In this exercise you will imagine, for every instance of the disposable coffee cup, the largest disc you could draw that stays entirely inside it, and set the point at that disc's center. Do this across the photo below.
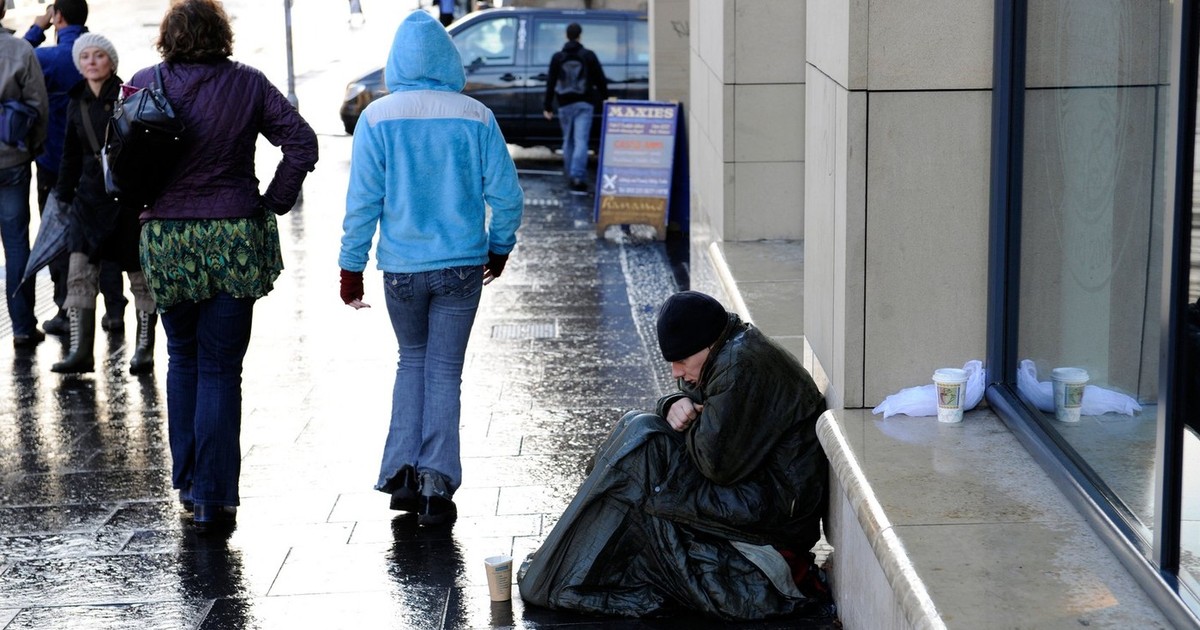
(1069, 383)
(499, 577)
(951, 386)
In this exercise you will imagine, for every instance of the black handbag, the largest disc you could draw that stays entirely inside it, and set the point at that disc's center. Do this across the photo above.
(142, 145)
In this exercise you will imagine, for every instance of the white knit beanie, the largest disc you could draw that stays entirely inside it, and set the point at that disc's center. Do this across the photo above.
(93, 40)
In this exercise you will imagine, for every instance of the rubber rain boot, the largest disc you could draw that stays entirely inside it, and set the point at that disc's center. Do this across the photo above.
(143, 354)
(83, 342)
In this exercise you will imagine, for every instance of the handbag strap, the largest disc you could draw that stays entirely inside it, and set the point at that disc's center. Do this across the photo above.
(89, 129)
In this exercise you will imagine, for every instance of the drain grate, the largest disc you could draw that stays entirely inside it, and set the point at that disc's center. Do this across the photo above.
(525, 330)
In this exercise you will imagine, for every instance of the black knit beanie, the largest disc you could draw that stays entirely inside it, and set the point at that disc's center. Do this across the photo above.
(689, 322)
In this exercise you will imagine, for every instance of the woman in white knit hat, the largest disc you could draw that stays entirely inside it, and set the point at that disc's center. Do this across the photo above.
(100, 227)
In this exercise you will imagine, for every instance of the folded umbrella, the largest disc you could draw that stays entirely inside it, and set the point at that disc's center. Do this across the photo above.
(51, 239)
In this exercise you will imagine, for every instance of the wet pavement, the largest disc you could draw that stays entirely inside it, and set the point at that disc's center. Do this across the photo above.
(90, 533)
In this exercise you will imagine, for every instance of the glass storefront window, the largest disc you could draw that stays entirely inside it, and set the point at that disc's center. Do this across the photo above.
(1095, 124)
(1094, 294)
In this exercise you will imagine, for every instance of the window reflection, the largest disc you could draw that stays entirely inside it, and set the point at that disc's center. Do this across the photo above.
(1091, 235)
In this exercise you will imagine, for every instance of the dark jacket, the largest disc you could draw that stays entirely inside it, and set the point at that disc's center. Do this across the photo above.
(225, 106)
(58, 68)
(597, 82)
(97, 224)
(661, 519)
(79, 172)
(754, 470)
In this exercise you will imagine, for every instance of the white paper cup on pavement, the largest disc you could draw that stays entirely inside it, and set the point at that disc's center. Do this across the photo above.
(499, 577)
(951, 386)
(1069, 383)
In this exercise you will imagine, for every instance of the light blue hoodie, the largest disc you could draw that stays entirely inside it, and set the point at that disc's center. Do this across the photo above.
(425, 160)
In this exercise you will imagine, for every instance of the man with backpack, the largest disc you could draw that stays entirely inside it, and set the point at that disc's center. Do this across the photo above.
(577, 80)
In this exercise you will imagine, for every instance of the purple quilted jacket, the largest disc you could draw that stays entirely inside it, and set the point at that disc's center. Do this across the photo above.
(226, 105)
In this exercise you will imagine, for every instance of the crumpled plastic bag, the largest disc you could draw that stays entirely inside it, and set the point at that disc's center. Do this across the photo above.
(1096, 400)
(922, 399)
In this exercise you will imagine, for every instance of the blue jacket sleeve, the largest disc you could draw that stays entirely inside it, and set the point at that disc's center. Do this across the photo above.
(502, 192)
(364, 198)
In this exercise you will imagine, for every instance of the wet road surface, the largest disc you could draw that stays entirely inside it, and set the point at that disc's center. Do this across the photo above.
(91, 535)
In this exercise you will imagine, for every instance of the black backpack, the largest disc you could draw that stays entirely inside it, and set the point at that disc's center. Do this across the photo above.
(572, 75)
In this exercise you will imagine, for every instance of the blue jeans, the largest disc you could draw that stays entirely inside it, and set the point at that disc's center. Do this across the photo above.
(576, 122)
(206, 342)
(14, 232)
(432, 313)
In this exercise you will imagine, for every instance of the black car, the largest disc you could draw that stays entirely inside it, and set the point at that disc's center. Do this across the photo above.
(506, 53)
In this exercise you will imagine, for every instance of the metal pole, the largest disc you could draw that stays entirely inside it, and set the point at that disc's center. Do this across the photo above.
(291, 77)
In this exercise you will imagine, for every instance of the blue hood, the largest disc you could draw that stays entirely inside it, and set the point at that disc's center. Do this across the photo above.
(423, 57)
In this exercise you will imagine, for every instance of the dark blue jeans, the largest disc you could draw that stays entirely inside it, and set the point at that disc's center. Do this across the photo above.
(206, 342)
(14, 232)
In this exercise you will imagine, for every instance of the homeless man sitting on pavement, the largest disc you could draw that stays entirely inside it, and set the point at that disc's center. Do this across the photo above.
(697, 506)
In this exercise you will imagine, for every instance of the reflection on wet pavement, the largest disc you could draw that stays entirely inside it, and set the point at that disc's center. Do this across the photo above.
(91, 534)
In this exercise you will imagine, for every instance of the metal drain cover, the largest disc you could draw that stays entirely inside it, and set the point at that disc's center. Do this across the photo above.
(525, 330)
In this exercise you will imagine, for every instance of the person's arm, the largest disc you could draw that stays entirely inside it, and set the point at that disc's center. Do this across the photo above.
(600, 81)
(551, 82)
(732, 436)
(33, 93)
(37, 31)
(502, 191)
(365, 195)
(283, 126)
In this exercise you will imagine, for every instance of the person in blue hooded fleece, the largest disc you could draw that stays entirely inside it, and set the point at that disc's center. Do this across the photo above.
(427, 163)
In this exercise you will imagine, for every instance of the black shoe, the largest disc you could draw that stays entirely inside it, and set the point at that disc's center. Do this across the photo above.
(30, 340)
(59, 325)
(405, 496)
(578, 185)
(435, 507)
(185, 499)
(209, 519)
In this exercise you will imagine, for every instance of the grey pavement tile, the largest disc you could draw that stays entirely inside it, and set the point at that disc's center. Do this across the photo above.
(132, 578)
(58, 518)
(87, 487)
(144, 616)
(418, 607)
(70, 544)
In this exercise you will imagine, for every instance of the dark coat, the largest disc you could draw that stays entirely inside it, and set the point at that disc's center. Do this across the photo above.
(98, 225)
(654, 525)
(225, 106)
(754, 470)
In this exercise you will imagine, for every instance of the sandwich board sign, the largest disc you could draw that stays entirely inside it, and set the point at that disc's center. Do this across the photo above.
(641, 177)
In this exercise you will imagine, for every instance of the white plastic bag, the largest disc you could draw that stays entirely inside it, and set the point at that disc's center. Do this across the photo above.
(1096, 400)
(922, 399)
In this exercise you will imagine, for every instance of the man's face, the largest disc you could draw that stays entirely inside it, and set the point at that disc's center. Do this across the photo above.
(689, 368)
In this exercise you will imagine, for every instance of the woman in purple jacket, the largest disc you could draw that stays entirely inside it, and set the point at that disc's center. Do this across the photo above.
(210, 246)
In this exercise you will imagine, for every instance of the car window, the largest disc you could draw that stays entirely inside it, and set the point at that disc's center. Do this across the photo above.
(639, 42)
(602, 38)
(490, 43)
